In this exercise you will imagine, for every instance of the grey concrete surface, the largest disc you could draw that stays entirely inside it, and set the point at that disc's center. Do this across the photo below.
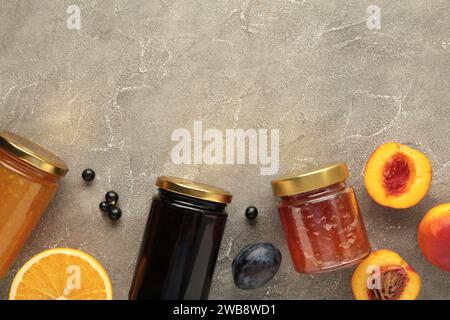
(109, 95)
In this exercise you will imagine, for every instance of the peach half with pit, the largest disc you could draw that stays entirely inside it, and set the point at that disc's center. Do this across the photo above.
(434, 236)
(384, 275)
(397, 176)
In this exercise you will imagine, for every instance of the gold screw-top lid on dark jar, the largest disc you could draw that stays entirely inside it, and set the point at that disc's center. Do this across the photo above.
(310, 180)
(33, 154)
(193, 189)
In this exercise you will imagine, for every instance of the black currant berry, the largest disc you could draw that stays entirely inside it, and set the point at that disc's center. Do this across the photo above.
(115, 213)
(88, 175)
(251, 213)
(104, 206)
(111, 197)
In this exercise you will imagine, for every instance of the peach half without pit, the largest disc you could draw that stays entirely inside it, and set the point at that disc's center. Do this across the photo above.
(434, 236)
(397, 176)
(384, 275)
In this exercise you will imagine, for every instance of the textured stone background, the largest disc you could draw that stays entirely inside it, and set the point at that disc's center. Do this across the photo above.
(109, 95)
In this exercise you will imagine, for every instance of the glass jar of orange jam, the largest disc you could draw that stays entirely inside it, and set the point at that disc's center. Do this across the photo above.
(321, 219)
(29, 176)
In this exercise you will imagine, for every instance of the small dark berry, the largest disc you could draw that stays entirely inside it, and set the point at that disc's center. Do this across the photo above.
(88, 175)
(104, 206)
(251, 213)
(114, 213)
(111, 197)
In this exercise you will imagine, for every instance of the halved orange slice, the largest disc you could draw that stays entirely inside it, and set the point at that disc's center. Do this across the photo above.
(61, 274)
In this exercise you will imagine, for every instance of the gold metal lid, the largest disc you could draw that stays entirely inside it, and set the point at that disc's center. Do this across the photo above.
(194, 189)
(310, 180)
(33, 154)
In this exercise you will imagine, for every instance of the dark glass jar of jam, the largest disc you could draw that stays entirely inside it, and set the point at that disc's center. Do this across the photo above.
(181, 241)
(321, 219)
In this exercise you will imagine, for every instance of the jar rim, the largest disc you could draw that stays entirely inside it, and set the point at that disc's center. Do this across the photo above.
(32, 154)
(310, 180)
(193, 189)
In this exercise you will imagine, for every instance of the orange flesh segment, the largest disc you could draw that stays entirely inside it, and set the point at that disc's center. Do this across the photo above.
(54, 277)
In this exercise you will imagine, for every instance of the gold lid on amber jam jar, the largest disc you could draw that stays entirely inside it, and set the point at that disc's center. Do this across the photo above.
(194, 189)
(310, 180)
(33, 154)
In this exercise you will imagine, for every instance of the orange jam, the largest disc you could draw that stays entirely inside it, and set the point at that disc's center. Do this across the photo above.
(29, 177)
(321, 219)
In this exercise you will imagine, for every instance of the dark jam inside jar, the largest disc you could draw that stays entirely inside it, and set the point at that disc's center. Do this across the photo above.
(178, 256)
(324, 229)
(181, 242)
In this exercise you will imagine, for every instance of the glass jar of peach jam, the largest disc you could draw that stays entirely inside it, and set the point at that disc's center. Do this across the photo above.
(321, 219)
(29, 177)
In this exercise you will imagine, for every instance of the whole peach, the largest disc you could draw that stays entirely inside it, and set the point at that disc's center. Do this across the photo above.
(434, 236)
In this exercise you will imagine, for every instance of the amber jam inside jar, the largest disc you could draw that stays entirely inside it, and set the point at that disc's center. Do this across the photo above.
(29, 178)
(321, 219)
